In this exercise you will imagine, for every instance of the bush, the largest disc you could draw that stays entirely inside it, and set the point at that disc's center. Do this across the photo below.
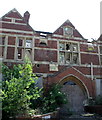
(18, 88)
(96, 101)
(53, 99)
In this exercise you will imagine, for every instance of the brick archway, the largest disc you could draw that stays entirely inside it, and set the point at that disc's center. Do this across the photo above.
(85, 82)
(77, 81)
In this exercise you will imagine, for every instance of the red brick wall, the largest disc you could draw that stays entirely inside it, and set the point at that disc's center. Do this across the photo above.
(43, 68)
(88, 58)
(87, 70)
(83, 47)
(45, 55)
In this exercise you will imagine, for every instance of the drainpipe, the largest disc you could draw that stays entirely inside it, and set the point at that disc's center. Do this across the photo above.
(91, 71)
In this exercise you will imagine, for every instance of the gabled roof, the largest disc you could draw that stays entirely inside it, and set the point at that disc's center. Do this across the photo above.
(67, 23)
(100, 38)
(19, 23)
(13, 14)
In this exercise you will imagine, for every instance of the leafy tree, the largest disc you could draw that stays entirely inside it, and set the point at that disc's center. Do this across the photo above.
(18, 88)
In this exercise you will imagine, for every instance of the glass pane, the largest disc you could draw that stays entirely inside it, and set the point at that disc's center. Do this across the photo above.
(61, 58)
(67, 58)
(75, 58)
(68, 31)
(20, 42)
(75, 47)
(61, 46)
(100, 49)
(28, 43)
(2, 40)
(19, 53)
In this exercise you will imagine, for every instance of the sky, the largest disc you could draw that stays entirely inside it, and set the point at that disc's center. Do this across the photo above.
(48, 15)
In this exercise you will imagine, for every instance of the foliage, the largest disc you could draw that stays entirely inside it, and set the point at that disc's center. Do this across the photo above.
(96, 101)
(20, 94)
(53, 99)
(18, 88)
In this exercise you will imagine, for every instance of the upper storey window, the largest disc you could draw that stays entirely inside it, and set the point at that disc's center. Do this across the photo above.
(68, 31)
(101, 55)
(68, 53)
(67, 46)
(2, 40)
(20, 42)
(100, 49)
(28, 43)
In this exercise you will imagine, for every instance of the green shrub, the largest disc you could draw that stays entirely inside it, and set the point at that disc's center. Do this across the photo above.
(96, 101)
(53, 99)
(18, 88)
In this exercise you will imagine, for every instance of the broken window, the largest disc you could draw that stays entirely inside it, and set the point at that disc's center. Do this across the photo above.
(20, 42)
(28, 53)
(90, 47)
(19, 53)
(68, 46)
(61, 58)
(62, 46)
(69, 54)
(43, 41)
(75, 47)
(28, 43)
(67, 58)
(68, 31)
(100, 49)
(2, 40)
(75, 58)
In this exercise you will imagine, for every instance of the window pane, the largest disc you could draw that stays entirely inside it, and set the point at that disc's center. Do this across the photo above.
(75, 58)
(20, 43)
(67, 58)
(100, 49)
(68, 46)
(61, 58)
(75, 47)
(2, 40)
(28, 43)
(61, 46)
(19, 53)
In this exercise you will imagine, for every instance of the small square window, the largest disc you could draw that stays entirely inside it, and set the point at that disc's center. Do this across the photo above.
(28, 43)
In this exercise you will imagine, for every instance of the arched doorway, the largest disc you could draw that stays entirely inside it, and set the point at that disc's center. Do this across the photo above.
(76, 95)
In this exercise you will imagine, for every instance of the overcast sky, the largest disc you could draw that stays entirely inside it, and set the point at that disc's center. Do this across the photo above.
(48, 15)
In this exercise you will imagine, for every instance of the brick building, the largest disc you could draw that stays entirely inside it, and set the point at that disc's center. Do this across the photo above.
(63, 56)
